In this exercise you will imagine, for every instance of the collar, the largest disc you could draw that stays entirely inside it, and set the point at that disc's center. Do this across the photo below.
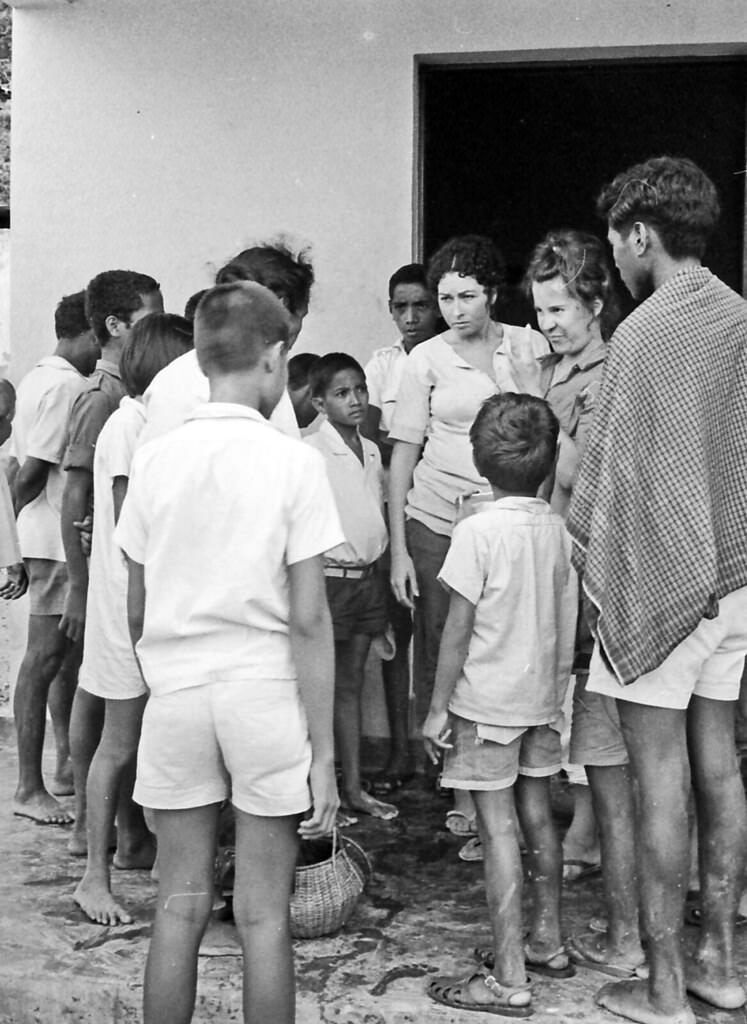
(335, 442)
(515, 502)
(226, 411)
(106, 366)
(59, 362)
(592, 355)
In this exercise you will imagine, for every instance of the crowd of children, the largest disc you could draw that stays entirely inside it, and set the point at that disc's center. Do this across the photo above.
(202, 526)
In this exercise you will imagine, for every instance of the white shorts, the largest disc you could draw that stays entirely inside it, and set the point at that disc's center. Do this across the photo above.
(247, 740)
(708, 663)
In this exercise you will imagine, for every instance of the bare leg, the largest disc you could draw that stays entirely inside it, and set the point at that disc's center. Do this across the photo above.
(656, 742)
(396, 677)
(722, 839)
(581, 841)
(186, 842)
(86, 724)
(350, 660)
(44, 653)
(60, 702)
(266, 850)
(110, 768)
(544, 863)
(136, 849)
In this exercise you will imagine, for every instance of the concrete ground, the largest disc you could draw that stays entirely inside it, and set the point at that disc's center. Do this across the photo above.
(422, 915)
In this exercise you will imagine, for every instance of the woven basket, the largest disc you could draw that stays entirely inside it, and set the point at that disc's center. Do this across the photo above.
(326, 893)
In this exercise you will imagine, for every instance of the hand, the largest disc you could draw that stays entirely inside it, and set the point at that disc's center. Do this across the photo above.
(436, 732)
(85, 528)
(525, 367)
(73, 621)
(324, 802)
(16, 582)
(403, 579)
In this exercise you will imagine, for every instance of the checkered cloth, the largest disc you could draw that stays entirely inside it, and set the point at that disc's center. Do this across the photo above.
(658, 514)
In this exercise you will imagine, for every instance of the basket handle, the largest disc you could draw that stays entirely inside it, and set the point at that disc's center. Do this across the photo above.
(361, 851)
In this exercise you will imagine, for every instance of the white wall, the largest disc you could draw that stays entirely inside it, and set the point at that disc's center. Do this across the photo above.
(163, 135)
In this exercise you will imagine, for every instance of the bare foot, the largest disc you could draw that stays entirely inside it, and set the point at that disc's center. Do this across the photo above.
(136, 858)
(77, 844)
(592, 950)
(630, 999)
(710, 986)
(62, 781)
(97, 903)
(580, 863)
(367, 804)
(42, 808)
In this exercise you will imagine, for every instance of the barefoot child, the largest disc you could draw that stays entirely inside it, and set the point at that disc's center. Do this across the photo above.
(355, 587)
(224, 526)
(109, 674)
(503, 670)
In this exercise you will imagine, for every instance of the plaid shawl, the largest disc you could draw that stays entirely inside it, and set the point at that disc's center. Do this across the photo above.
(658, 513)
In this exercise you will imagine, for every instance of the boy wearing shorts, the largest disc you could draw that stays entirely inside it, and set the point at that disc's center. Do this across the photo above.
(224, 526)
(355, 587)
(503, 670)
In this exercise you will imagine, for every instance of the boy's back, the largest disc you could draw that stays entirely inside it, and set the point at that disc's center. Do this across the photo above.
(512, 561)
(216, 510)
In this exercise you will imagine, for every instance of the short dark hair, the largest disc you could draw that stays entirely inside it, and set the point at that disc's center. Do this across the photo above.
(70, 320)
(235, 323)
(115, 293)
(299, 369)
(322, 373)
(514, 440)
(470, 256)
(190, 307)
(673, 195)
(155, 341)
(410, 273)
(287, 274)
(580, 260)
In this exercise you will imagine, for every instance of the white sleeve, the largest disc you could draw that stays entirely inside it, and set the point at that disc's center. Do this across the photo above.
(314, 525)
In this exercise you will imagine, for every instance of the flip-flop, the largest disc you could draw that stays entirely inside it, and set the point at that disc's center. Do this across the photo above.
(582, 955)
(694, 915)
(471, 852)
(532, 962)
(460, 824)
(451, 992)
(589, 869)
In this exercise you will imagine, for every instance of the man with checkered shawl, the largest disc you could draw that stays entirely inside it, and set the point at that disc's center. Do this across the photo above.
(659, 524)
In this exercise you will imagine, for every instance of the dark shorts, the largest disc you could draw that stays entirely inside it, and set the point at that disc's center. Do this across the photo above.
(479, 764)
(596, 733)
(47, 586)
(357, 606)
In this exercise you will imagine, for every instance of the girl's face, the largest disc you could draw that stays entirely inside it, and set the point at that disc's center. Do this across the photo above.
(465, 304)
(567, 323)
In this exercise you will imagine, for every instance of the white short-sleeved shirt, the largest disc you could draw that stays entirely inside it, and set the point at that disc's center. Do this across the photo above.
(40, 431)
(439, 397)
(109, 664)
(216, 511)
(358, 496)
(512, 561)
(383, 377)
(181, 387)
(10, 551)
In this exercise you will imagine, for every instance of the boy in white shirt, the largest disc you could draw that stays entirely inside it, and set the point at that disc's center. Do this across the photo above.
(355, 586)
(224, 526)
(503, 670)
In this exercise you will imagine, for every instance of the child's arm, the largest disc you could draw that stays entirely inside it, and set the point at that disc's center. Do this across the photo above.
(135, 599)
(313, 655)
(452, 655)
(76, 499)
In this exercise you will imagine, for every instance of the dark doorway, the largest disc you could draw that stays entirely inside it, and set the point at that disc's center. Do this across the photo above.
(515, 150)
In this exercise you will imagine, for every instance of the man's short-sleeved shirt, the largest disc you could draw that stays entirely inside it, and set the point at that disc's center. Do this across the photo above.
(10, 551)
(46, 396)
(572, 395)
(91, 410)
(439, 397)
(383, 377)
(181, 387)
(358, 496)
(512, 561)
(216, 511)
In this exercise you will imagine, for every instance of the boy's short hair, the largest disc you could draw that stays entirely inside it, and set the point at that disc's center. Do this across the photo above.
(155, 341)
(673, 195)
(190, 307)
(299, 369)
(322, 373)
(411, 273)
(287, 274)
(514, 440)
(235, 323)
(70, 320)
(115, 293)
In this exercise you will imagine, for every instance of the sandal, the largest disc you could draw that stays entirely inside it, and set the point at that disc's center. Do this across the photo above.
(460, 824)
(584, 952)
(554, 965)
(508, 1001)
(471, 852)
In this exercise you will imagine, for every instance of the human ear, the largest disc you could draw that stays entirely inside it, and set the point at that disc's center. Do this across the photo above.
(113, 326)
(318, 403)
(597, 305)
